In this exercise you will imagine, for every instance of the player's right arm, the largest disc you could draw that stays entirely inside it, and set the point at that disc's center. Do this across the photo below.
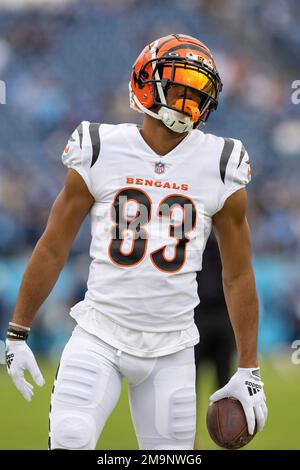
(48, 259)
(52, 250)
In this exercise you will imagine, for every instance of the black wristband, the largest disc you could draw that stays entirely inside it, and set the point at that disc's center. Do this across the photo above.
(16, 334)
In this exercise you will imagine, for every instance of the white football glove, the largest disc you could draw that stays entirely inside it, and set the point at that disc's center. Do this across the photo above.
(246, 386)
(19, 358)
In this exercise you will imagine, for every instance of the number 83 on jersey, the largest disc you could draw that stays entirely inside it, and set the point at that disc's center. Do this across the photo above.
(135, 220)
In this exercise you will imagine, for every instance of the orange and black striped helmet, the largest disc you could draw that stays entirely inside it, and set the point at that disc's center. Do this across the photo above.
(180, 60)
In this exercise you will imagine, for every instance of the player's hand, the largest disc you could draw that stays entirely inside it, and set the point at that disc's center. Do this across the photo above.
(19, 358)
(246, 386)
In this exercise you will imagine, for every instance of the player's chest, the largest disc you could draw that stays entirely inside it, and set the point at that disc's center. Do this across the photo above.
(152, 181)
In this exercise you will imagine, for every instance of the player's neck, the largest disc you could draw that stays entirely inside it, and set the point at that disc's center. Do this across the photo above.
(161, 139)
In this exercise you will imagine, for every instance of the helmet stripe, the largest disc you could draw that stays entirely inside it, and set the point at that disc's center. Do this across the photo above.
(191, 47)
(166, 42)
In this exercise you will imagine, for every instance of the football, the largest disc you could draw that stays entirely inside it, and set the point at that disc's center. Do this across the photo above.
(227, 425)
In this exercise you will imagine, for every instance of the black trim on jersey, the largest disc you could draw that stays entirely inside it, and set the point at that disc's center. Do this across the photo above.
(225, 155)
(95, 139)
(80, 133)
(241, 155)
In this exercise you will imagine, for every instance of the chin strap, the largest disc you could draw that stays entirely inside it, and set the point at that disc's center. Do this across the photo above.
(175, 120)
(172, 119)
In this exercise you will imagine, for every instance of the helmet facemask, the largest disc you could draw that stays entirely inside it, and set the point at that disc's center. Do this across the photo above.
(191, 78)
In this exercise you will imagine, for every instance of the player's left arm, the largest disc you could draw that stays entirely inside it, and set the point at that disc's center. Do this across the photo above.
(233, 235)
(232, 231)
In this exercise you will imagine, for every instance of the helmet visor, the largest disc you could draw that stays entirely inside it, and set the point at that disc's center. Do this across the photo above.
(191, 76)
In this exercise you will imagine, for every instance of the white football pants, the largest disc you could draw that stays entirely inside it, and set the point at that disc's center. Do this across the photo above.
(87, 388)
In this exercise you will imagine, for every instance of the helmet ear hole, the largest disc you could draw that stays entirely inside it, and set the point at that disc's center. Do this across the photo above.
(142, 76)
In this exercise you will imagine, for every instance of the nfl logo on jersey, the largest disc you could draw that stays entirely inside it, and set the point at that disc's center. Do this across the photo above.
(159, 168)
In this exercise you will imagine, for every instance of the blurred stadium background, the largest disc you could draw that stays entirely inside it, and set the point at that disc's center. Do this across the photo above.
(65, 61)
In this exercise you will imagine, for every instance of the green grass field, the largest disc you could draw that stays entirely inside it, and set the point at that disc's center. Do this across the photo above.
(25, 425)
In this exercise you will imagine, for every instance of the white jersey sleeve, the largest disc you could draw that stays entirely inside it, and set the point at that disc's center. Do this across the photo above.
(235, 170)
(82, 151)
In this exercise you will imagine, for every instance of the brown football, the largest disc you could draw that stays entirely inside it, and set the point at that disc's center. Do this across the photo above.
(227, 425)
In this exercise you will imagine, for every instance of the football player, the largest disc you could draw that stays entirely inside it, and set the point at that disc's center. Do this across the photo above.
(153, 193)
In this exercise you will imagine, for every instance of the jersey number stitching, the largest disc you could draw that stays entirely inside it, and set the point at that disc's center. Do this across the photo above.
(140, 237)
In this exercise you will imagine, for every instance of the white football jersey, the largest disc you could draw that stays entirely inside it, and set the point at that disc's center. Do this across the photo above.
(150, 222)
